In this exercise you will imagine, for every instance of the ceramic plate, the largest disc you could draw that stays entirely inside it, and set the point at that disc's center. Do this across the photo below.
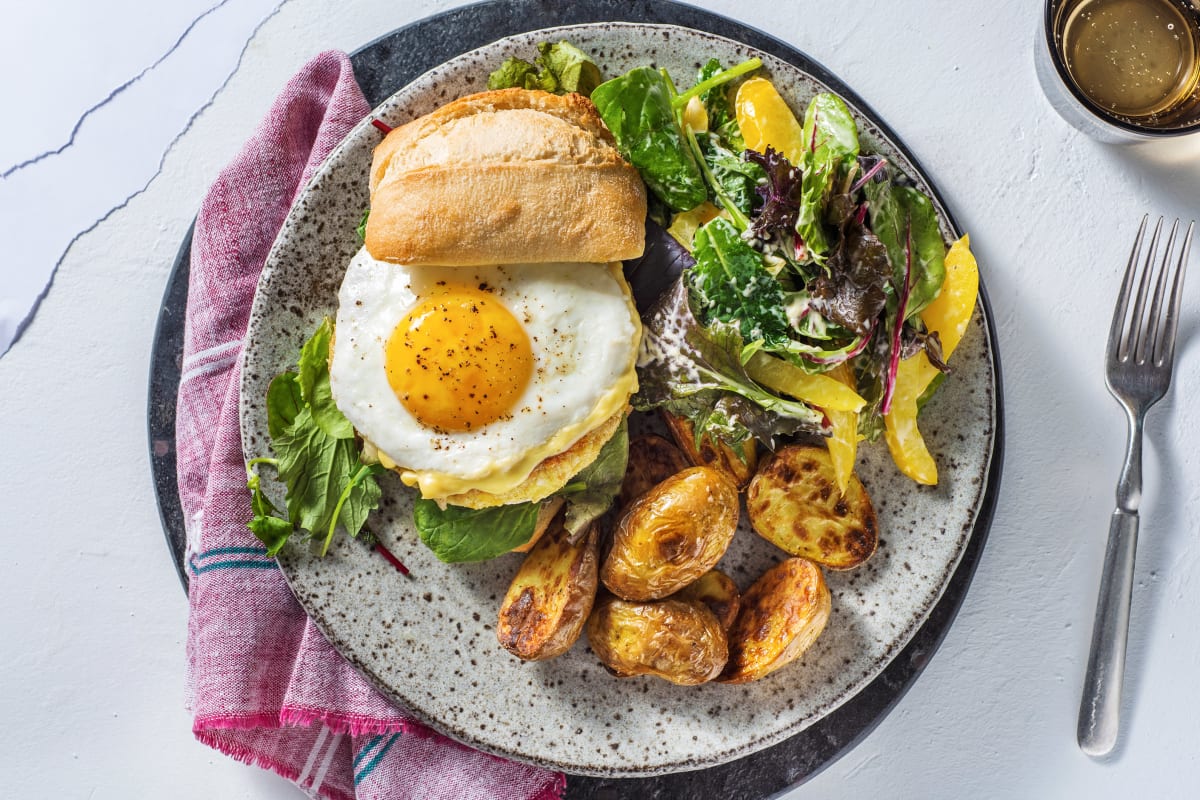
(428, 641)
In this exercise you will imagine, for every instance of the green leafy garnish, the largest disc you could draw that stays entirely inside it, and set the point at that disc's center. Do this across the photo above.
(317, 457)
(560, 67)
(361, 230)
(457, 534)
(636, 107)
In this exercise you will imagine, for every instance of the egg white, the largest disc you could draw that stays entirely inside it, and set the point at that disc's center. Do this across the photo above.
(584, 332)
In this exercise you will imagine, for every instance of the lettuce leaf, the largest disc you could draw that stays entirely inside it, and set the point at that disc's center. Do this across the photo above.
(560, 67)
(695, 371)
(896, 211)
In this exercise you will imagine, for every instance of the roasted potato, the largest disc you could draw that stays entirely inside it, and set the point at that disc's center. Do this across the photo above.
(671, 535)
(782, 614)
(551, 596)
(716, 591)
(717, 455)
(652, 459)
(794, 503)
(677, 640)
(546, 514)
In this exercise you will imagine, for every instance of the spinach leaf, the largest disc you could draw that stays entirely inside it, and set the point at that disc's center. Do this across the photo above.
(695, 371)
(560, 67)
(457, 534)
(636, 107)
(595, 488)
(895, 212)
(314, 383)
(730, 283)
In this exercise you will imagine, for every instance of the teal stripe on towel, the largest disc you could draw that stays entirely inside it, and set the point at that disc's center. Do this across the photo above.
(367, 748)
(238, 564)
(231, 551)
(374, 762)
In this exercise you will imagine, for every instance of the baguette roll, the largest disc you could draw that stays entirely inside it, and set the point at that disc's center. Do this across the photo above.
(507, 176)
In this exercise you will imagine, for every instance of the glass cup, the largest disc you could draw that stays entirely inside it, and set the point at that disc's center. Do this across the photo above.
(1122, 70)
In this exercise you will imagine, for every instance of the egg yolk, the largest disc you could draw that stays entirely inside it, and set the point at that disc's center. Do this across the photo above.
(459, 360)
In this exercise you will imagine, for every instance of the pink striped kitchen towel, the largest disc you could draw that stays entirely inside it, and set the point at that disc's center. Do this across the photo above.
(266, 688)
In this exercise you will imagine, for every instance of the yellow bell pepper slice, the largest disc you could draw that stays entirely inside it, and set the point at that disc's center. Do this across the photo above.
(686, 223)
(948, 315)
(843, 443)
(817, 390)
(765, 119)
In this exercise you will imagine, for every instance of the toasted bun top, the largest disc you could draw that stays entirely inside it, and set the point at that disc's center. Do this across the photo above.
(505, 176)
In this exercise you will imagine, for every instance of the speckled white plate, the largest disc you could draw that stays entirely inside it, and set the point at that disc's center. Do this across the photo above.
(428, 641)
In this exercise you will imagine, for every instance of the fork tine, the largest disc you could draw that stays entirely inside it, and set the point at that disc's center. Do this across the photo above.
(1164, 344)
(1150, 331)
(1116, 332)
(1133, 328)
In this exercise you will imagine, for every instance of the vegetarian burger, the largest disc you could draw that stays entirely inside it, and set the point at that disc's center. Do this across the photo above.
(485, 337)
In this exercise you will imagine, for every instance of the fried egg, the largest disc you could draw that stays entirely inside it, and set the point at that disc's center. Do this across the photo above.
(467, 378)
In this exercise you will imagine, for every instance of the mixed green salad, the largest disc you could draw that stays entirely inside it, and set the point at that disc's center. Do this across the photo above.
(805, 301)
(801, 286)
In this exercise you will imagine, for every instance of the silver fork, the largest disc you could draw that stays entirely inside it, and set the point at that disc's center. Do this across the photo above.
(1141, 352)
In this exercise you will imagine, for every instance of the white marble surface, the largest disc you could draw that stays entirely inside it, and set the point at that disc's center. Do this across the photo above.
(117, 117)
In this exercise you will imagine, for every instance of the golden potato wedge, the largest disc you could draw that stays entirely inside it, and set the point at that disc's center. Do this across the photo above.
(550, 598)
(652, 459)
(716, 591)
(794, 503)
(546, 514)
(717, 455)
(671, 535)
(676, 640)
(782, 614)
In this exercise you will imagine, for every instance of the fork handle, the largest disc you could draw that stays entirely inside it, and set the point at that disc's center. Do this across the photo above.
(1099, 711)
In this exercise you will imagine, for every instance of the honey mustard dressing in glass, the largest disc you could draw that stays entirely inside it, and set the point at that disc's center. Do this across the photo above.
(1134, 58)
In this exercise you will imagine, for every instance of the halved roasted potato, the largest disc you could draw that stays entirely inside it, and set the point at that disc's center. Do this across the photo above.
(782, 614)
(794, 503)
(717, 455)
(717, 592)
(652, 459)
(677, 640)
(546, 514)
(671, 535)
(551, 596)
